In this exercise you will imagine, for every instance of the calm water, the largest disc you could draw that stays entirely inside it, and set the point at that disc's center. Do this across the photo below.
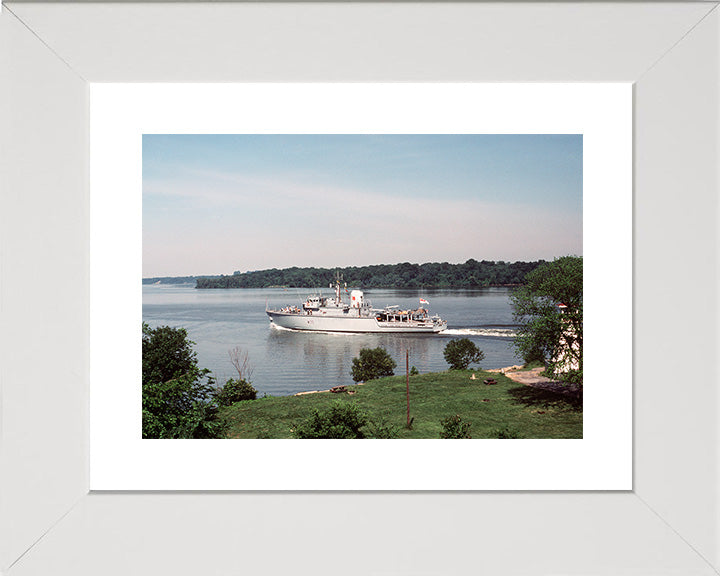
(286, 362)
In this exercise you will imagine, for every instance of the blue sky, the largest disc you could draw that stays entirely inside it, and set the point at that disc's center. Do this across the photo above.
(213, 204)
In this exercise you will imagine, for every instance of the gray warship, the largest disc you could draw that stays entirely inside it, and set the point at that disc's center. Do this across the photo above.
(332, 314)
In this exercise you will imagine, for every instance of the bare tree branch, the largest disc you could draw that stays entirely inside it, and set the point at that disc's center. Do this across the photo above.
(240, 359)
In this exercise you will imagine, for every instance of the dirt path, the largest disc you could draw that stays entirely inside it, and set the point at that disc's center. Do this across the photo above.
(533, 378)
(529, 377)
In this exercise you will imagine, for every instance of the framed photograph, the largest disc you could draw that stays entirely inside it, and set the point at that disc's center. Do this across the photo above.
(640, 490)
(124, 123)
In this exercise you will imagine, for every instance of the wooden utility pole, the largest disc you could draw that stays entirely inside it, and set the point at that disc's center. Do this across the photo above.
(407, 383)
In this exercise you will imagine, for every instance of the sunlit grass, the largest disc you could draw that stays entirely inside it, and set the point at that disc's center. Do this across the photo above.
(525, 411)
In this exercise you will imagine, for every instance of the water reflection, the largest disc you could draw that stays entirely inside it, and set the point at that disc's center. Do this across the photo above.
(287, 362)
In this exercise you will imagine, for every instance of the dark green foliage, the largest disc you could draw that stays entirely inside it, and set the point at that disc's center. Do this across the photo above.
(174, 279)
(201, 422)
(534, 355)
(459, 353)
(548, 332)
(177, 396)
(340, 420)
(454, 427)
(166, 353)
(235, 391)
(471, 274)
(573, 377)
(414, 371)
(506, 433)
(181, 408)
(371, 364)
(381, 429)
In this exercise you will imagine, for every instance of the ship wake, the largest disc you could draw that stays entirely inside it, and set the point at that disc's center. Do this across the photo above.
(489, 332)
(330, 332)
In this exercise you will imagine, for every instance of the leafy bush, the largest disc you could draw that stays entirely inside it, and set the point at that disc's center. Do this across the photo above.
(341, 420)
(381, 429)
(181, 408)
(177, 395)
(454, 427)
(235, 391)
(202, 422)
(371, 364)
(460, 352)
(414, 371)
(571, 377)
(533, 355)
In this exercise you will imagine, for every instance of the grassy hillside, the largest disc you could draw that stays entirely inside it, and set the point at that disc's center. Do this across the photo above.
(527, 412)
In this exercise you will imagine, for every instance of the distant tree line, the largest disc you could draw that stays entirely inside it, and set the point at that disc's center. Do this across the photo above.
(471, 274)
(174, 279)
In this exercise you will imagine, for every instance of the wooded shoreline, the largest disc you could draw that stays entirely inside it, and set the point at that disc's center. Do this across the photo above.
(470, 274)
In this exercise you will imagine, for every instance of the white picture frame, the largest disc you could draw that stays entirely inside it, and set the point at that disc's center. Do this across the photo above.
(668, 523)
(120, 114)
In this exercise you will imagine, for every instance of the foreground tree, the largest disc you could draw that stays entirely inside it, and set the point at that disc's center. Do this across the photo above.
(549, 308)
(459, 353)
(372, 363)
(166, 353)
(177, 396)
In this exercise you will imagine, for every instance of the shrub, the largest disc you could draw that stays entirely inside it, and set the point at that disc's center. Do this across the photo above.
(533, 355)
(381, 429)
(454, 427)
(202, 422)
(371, 364)
(460, 352)
(181, 408)
(341, 420)
(414, 371)
(571, 377)
(235, 391)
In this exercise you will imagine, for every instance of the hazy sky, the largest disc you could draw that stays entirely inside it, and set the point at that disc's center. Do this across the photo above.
(213, 204)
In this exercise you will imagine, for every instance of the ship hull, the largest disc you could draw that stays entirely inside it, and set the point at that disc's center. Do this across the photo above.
(364, 324)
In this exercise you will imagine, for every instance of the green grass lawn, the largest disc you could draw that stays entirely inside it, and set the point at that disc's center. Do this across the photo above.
(527, 412)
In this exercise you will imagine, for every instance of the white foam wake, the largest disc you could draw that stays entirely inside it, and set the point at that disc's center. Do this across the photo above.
(281, 328)
(328, 332)
(495, 332)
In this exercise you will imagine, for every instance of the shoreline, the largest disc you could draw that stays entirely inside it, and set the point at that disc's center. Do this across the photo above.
(504, 371)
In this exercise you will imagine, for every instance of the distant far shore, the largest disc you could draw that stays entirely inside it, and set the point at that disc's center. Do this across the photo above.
(470, 274)
(158, 282)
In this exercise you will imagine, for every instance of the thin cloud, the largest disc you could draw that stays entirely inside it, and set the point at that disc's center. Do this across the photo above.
(216, 220)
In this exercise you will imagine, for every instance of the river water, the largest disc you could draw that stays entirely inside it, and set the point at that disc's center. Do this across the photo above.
(285, 362)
